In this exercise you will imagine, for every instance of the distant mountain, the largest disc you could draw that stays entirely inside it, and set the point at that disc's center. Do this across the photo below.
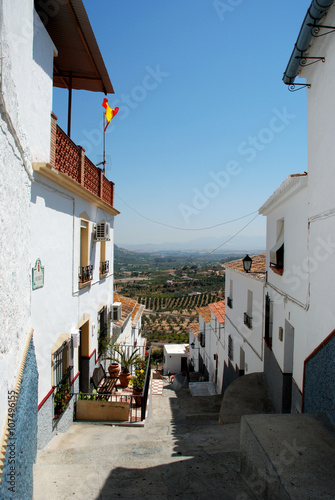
(248, 244)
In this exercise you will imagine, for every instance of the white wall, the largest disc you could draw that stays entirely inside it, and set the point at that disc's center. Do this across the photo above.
(59, 306)
(251, 340)
(20, 80)
(321, 210)
(28, 56)
(290, 292)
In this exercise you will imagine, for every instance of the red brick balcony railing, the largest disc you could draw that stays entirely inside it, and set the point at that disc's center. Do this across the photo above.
(70, 159)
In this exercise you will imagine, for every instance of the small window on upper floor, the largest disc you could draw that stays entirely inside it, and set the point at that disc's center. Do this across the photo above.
(277, 251)
(230, 297)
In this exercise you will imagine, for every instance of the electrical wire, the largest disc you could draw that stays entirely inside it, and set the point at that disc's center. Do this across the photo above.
(185, 228)
(229, 239)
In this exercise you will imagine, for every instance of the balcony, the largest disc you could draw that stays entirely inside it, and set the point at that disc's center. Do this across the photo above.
(104, 268)
(70, 168)
(85, 274)
(248, 320)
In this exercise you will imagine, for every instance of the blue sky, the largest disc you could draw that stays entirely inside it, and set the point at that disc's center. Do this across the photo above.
(206, 130)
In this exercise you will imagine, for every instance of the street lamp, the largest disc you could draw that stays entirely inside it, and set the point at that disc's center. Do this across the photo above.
(247, 263)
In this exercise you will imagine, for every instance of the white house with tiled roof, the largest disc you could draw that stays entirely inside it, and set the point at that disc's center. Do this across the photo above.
(216, 345)
(243, 348)
(206, 338)
(127, 321)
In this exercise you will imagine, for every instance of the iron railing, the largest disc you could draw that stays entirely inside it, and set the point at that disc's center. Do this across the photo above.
(85, 274)
(137, 403)
(247, 320)
(104, 267)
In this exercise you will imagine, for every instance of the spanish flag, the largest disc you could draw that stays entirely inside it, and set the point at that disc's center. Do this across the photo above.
(110, 113)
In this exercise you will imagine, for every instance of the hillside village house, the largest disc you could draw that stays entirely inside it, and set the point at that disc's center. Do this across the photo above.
(300, 319)
(127, 321)
(243, 350)
(58, 299)
(206, 343)
(286, 295)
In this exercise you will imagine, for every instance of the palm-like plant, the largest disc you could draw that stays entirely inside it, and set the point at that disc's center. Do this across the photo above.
(123, 356)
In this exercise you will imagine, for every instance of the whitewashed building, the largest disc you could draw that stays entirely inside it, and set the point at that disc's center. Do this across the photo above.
(26, 54)
(175, 358)
(197, 338)
(286, 292)
(59, 293)
(216, 345)
(127, 322)
(243, 351)
(72, 224)
(305, 313)
(206, 343)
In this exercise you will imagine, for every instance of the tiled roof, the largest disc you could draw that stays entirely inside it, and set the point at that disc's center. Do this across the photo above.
(258, 266)
(137, 313)
(194, 327)
(128, 306)
(218, 309)
(205, 313)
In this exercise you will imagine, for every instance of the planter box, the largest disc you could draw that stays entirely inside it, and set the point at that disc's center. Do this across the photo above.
(97, 411)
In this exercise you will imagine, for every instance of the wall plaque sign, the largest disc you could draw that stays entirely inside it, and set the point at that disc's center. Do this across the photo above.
(38, 275)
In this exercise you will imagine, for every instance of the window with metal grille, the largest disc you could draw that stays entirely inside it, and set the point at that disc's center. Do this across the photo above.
(230, 348)
(62, 361)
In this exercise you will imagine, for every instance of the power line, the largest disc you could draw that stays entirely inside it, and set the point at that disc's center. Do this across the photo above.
(229, 239)
(186, 228)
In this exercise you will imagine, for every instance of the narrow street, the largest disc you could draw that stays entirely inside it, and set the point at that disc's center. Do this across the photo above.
(181, 452)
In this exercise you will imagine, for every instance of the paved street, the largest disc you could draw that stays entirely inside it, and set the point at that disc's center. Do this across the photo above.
(181, 452)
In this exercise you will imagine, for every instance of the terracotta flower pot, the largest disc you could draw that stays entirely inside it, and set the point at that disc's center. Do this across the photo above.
(138, 398)
(125, 378)
(114, 369)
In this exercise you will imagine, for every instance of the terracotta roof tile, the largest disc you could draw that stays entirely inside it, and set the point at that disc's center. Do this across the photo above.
(258, 267)
(194, 327)
(218, 309)
(128, 306)
(205, 313)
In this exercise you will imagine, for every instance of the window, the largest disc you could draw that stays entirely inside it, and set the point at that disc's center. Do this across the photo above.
(85, 269)
(230, 348)
(268, 321)
(277, 252)
(104, 264)
(102, 330)
(248, 314)
(230, 298)
(202, 339)
(62, 369)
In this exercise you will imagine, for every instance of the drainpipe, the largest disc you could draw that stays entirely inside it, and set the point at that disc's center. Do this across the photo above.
(3, 109)
(315, 13)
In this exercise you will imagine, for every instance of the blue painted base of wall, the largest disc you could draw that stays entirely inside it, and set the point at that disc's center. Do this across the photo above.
(48, 426)
(319, 383)
(17, 478)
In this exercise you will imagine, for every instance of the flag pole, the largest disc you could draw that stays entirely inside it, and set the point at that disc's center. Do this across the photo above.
(103, 162)
(104, 146)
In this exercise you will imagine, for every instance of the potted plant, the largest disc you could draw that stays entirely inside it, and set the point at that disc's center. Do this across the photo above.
(138, 384)
(126, 359)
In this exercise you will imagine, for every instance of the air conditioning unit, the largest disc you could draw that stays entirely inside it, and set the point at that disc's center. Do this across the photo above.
(102, 231)
(116, 311)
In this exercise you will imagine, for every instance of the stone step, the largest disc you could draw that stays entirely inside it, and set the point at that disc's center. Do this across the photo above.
(288, 456)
